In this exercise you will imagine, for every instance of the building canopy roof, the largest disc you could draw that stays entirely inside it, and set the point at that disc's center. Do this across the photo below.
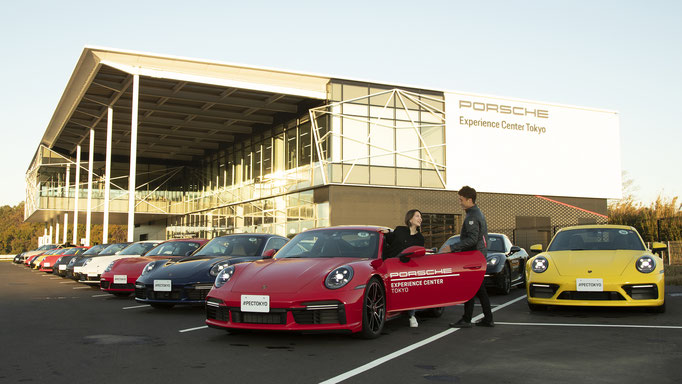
(187, 107)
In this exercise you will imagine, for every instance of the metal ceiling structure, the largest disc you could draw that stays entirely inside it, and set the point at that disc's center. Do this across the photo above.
(187, 108)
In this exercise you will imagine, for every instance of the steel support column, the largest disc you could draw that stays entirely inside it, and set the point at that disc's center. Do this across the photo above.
(107, 176)
(77, 189)
(66, 227)
(133, 156)
(91, 160)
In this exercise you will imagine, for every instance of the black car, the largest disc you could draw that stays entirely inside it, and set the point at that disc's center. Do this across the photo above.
(75, 264)
(506, 262)
(59, 267)
(165, 283)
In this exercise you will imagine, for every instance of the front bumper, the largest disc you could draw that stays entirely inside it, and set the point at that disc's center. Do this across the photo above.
(646, 291)
(341, 311)
(107, 284)
(189, 294)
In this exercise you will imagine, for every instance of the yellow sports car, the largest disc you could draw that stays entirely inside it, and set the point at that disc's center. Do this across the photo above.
(596, 265)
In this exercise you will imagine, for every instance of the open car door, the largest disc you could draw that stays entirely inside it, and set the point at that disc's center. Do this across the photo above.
(418, 280)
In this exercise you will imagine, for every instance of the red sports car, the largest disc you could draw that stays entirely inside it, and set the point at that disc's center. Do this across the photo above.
(334, 279)
(120, 276)
(47, 264)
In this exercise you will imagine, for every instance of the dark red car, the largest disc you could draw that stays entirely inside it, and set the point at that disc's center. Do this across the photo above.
(120, 276)
(335, 279)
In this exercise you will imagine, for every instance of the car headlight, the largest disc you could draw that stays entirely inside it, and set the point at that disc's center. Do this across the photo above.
(148, 268)
(216, 269)
(224, 276)
(72, 262)
(540, 264)
(339, 277)
(646, 264)
(493, 261)
(111, 265)
(87, 261)
(58, 260)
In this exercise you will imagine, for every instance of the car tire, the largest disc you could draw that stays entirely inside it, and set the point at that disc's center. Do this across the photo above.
(373, 309)
(504, 280)
(435, 312)
(536, 307)
(162, 305)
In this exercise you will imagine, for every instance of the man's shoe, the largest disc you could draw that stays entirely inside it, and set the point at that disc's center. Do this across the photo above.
(413, 322)
(485, 323)
(461, 324)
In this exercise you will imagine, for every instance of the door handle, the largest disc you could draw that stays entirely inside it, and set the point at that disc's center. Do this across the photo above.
(472, 267)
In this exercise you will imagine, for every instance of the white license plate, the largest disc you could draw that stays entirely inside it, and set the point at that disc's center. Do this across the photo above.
(77, 269)
(255, 303)
(46, 264)
(62, 267)
(162, 285)
(120, 279)
(589, 285)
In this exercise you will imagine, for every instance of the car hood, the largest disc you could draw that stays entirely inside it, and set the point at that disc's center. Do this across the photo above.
(133, 265)
(600, 263)
(285, 275)
(193, 268)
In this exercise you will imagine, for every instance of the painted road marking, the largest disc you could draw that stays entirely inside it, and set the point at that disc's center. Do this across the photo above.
(106, 294)
(67, 282)
(594, 325)
(409, 348)
(81, 287)
(192, 329)
(137, 306)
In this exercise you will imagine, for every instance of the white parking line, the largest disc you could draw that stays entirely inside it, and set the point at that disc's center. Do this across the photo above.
(407, 349)
(56, 278)
(137, 306)
(81, 287)
(595, 325)
(106, 294)
(192, 329)
(67, 282)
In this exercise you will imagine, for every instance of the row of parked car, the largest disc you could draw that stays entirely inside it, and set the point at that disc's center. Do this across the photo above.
(335, 279)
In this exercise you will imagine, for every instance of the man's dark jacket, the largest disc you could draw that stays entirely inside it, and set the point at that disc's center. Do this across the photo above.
(474, 235)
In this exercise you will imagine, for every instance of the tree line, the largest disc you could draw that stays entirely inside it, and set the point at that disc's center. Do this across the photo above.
(660, 221)
(17, 236)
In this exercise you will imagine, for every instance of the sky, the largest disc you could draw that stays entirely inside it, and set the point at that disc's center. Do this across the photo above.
(615, 55)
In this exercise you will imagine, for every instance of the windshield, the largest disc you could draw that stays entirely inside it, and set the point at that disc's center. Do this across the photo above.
(46, 247)
(233, 245)
(175, 248)
(113, 248)
(138, 248)
(95, 249)
(495, 244)
(332, 243)
(596, 239)
(70, 251)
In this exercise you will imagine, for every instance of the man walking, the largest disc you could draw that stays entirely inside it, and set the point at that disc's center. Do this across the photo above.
(474, 236)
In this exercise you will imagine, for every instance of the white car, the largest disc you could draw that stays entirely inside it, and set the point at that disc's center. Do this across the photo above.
(94, 267)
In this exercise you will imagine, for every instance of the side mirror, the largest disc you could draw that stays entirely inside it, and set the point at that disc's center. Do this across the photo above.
(514, 249)
(410, 252)
(657, 246)
(269, 253)
(536, 248)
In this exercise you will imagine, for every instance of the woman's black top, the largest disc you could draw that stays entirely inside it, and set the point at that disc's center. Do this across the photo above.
(400, 239)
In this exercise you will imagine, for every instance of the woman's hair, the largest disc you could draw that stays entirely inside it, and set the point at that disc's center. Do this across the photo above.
(409, 215)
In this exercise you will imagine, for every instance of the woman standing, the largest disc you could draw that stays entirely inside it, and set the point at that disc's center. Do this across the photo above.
(403, 237)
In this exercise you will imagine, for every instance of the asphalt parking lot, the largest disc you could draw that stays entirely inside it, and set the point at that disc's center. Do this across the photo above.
(58, 331)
